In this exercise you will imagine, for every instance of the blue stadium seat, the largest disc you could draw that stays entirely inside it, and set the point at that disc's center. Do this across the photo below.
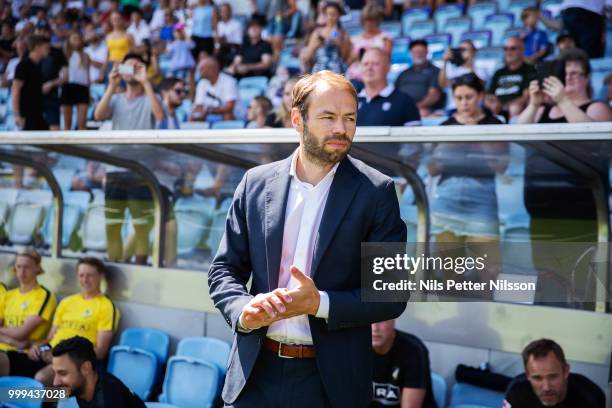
(256, 82)
(195, 125)
(438, 385)
(15, 382)
(489, 59)
(433, 120)
(5, 94)
(512, 32)
(463, 393)
(456, 27)
(597, 82)
(209, 349)
(400, 52)
(71, 220)
(97, 91)
(503, 4)
(479, 11)
(153, 340)
(552, 6)
(190, 383)
(444, 12)
(420, 29)
(68, 403)
(395, 70)
(516, 7)
(393, 28)
(480, 38)
(193, 216)
(412, 15)
(601, 64)
(135, 367)
(436, 45)
(498, 24)
(229, 124)
(245, 96)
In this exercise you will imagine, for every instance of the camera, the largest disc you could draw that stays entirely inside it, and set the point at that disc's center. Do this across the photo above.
(126, 69)
(456, 58)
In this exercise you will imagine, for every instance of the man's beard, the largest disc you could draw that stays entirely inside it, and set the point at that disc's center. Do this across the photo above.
(77, 389)
(316, 153)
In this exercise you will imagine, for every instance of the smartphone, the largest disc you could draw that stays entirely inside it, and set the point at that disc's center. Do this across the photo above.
(126, 69)
(456, 57)
(545, 69)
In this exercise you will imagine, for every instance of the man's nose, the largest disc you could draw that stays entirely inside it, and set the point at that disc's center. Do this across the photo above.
(339, 127)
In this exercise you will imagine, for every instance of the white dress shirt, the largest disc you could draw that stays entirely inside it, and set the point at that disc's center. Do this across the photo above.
(305, 205)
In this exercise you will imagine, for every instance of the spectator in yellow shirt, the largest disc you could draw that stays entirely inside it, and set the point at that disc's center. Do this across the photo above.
(88, 314)
(27, 312)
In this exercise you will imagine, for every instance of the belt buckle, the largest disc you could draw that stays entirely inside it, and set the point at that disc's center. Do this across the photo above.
(280, 348)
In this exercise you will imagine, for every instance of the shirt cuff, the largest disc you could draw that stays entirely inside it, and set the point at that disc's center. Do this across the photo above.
(323, 310)
(240, 326)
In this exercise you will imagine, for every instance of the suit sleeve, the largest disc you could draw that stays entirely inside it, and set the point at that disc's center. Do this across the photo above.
(346, 310)
(231, 268)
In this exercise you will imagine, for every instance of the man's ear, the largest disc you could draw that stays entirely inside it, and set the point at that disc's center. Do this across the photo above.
(296, 120)
(86, 368)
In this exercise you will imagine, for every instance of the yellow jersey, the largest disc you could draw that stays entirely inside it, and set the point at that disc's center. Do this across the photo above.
(2, 300)
(77, 316)
(19, 306)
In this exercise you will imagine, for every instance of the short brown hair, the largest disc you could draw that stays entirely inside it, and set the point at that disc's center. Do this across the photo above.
(576, 55)
(93, 262)
(540, 349)
(527, 11)
(264, 103)
(307, 84)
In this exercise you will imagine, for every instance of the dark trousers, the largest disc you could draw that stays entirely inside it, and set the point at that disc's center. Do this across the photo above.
(587, 28)
(278, 382)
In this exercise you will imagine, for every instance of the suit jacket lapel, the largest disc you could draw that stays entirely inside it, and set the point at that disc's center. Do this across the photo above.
(277, 191)
(341, 193)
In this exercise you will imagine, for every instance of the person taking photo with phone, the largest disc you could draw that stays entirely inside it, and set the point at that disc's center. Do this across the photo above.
(458, 62)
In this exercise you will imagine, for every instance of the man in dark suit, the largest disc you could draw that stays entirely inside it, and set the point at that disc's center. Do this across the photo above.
(295, 227)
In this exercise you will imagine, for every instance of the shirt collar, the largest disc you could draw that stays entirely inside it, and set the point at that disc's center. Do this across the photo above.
(293, 169)
(386, 91)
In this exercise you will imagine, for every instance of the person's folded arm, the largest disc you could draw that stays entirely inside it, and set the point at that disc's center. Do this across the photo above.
(412, 397)
(346, 309)
(22, 332)
(231, 268)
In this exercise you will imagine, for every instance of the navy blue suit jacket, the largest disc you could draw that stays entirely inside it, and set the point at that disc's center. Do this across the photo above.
(362, 206)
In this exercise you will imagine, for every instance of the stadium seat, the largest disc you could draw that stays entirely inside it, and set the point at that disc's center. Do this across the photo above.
(255, 82)
(444, 12)
(193, 217)
(420, 29)
(190, 383)
(400, 54)
(97, 91)
(5, 94)
(93, 228)
(27, 216)
(153, 340)
(71, 219)
(457, 26)
(552, 6)
(68, 403)
(135, 367)
(498, 24)
(489, 59)
(395, 70)
(433, 120)
(412, 15)
(436, 45)
(15, 382)
(516, 7)
(479, 11)
(207, 349)
(463, 393)
(512, 32)
(245, 96)
(438, 385)
(229, 124)
(195, 125)
(393, 28)
(601, 64)
(480, 38)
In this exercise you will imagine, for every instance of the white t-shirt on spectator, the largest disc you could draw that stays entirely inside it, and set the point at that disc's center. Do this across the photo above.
(139, 33)
(97, 54)
(10, 68)
(232, 31)
(75, 4)
(157, 19)
(223, 91)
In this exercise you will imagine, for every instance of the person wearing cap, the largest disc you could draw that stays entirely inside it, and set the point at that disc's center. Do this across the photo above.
(420, 81)
(28, 309)
(255, 56)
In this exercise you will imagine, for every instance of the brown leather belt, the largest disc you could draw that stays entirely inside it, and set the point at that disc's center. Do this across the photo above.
(289, 350)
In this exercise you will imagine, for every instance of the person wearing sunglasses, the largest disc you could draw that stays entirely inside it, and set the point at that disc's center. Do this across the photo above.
(173, 93)
(509, 83)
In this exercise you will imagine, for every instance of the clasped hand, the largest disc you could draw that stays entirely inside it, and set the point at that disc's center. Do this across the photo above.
(282, 303)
